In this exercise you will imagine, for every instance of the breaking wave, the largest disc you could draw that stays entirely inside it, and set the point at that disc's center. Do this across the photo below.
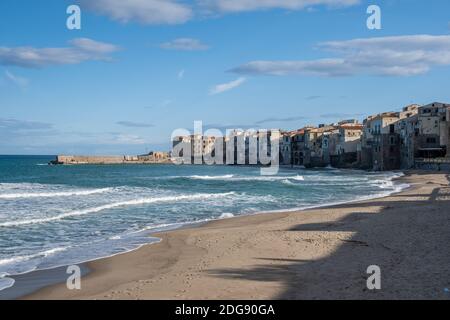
(226, 215)
(247, 178)
(43, 254)
(135, 202)
(6, 283)
(102, 211)
(222, 177)
(53, 194)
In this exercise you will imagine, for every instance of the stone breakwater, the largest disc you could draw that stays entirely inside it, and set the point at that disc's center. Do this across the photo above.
(157, 158)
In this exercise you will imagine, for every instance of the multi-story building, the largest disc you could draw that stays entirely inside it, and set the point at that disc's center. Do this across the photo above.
(330, 141)
(407, 128)
(348, 139)
(286, 148)
(379, 144)
(365, 153)
(448, 133)
(252, 147)
(387, 141)
(324, 146)
(433, 131)
(327, 144)
(312, 151)
(196, 148)
(298, 147)
(152, 157)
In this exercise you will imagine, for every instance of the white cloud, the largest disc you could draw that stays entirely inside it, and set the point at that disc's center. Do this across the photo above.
(132, 124)
(180, 11)
(386, 56)
(89, 45)
(141, 11)
(181, 74)
(226, 6)
(35, 137)
(17, 80)
(81, 49)
(226, 86)
(15, 125)
(184, 44)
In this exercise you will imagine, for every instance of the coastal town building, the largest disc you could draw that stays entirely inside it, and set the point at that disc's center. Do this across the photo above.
(448, 133)
(407, 127)
(334, 144)
(379, 142)
(415, 137)
(298, 147)
(261, 147)
(433, 128)
(346, 148)
(198, 149)
(239, 147)
(386, 141)
(154, 157)
(286, 148)
(330, 141)
(406, 139)
(318, 146)
(312, 153)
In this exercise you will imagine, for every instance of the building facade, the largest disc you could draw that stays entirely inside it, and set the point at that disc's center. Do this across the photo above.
(433, 135)
(386, 141)
(379, 143)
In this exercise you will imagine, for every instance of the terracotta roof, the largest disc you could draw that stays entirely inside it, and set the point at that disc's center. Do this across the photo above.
(352, 127)
(299, 131)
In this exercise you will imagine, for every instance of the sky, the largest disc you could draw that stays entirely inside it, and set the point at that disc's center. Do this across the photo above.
(139, 69)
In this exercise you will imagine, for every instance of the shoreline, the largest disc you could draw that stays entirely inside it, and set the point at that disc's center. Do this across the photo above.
(166, 254)
(43, 278)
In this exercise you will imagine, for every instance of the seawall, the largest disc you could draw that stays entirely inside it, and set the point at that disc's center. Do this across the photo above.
(79, 160)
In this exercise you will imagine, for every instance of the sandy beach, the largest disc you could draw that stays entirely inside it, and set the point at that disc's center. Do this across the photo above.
(315, 254)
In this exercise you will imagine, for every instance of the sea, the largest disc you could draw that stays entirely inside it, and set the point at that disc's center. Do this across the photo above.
(53, 216)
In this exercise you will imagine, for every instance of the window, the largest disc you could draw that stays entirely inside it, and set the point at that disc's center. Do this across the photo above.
(392, 128)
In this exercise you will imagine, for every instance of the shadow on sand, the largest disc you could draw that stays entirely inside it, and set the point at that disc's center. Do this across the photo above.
(409, 239)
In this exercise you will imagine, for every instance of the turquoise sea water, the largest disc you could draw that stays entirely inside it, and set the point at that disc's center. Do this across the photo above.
(58, 215)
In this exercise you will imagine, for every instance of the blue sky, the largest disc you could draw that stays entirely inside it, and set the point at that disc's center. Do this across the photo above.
(139, 69)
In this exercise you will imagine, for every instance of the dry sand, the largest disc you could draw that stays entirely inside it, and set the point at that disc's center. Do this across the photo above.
(314, 254)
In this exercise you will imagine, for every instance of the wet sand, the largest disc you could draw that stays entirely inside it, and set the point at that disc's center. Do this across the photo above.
(315, 254)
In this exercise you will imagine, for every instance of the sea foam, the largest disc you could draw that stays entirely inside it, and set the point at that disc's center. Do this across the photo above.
(226, 215)
(54, 194)
(6, 283)
(136, 202)
(43, 254)
(222, 177)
